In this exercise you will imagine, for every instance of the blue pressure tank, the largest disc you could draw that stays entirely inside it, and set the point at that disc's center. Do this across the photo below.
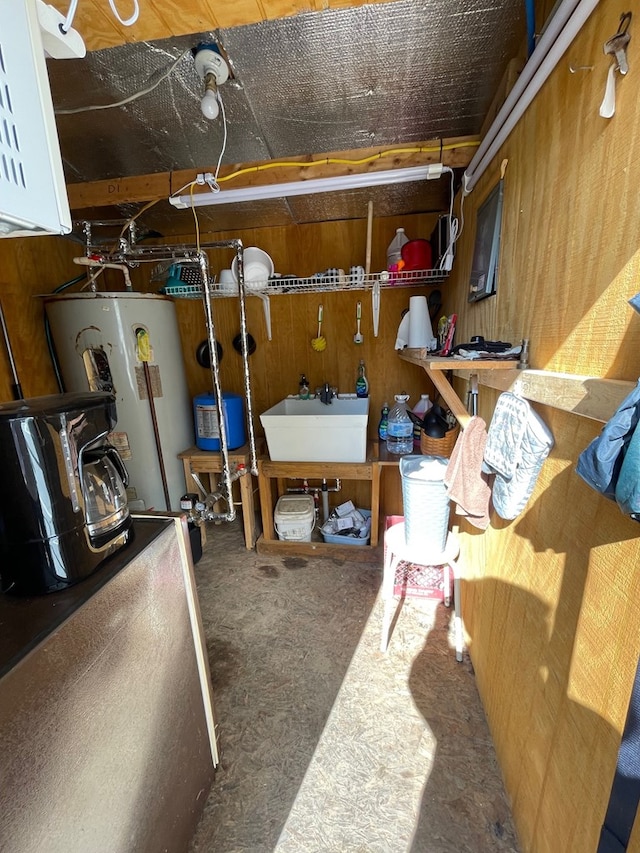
(206, 421)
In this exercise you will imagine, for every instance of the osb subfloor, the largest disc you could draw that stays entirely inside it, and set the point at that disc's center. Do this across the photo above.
(328, 745)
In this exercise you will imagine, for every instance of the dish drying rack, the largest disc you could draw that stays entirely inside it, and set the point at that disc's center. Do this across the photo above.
(184, 282)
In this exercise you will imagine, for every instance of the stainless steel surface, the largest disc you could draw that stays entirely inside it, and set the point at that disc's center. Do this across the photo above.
(338, 79)
(105, 726)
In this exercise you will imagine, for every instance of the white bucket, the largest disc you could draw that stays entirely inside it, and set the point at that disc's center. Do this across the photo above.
(294, 517)
(425, 502)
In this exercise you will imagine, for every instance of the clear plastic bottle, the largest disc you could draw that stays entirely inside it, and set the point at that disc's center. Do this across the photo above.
(394, 249)
(399, 427)
(384, 420)
(362, 383)
(420, 409)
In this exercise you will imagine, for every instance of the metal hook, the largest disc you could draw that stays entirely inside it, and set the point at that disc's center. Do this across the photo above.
(625, 20)
(617, 44)
(574, 68)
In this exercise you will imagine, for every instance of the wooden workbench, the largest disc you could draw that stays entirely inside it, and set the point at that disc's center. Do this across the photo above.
(269, 471)
(210, 462)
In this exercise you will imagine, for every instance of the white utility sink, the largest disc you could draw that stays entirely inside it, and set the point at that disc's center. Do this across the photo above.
(312, 431)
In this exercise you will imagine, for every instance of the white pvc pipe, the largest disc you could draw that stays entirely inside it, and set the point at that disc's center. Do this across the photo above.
(91, 262)
(562, 29)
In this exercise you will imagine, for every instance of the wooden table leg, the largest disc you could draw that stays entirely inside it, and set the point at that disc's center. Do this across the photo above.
(266, 504)
(189, 483)
(375, 503)
(248, 509)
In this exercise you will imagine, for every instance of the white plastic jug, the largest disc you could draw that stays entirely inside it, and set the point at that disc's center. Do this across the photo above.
(394, 249)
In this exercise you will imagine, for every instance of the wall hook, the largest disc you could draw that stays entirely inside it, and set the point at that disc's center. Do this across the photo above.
(574, 68)
(617, 44)
(617, 47)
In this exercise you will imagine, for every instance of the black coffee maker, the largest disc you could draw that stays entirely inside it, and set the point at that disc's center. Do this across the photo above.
(63, 501)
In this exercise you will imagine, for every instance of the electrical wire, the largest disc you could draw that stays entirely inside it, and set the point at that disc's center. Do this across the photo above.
(129, 21)
(144, 208)
(344, 161)
(422, 149)
(70, 16)
(91, 278)
(462, 198)
(213, 183)
(195, 219)
(130, 98)
(446, 261)
(224, 143)
(191, 184)
(125, 23)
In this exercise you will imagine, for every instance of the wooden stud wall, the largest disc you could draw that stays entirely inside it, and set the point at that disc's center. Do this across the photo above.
(38, 265)
(550, 599)
(28, 267)
(276, 365)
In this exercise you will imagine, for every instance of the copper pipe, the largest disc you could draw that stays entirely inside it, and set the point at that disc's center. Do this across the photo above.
(156, 434)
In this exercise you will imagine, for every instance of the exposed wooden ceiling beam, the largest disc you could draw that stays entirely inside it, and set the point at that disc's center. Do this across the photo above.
(453, 152)
(161, 19)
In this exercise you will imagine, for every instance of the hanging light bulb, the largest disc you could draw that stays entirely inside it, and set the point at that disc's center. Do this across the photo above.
(213, 69)
(209, 103)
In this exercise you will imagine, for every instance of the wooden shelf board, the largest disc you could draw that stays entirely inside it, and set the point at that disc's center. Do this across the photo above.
(430, 362)
(348, 553)
(589, 396)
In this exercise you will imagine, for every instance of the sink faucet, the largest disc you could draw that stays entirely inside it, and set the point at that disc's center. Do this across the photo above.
(326, 393)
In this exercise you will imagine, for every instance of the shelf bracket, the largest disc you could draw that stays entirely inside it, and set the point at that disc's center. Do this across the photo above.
(588, 396)
(450, 397)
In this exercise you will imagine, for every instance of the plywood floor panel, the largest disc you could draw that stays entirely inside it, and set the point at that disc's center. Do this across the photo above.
(327, 744)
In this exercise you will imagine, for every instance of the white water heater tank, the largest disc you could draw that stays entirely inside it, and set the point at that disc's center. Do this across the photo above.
(129, 344)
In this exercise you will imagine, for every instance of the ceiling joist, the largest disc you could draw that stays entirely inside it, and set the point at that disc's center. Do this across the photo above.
(455, 152)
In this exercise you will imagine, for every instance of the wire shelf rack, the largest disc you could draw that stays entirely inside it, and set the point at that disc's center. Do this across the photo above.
(331, 281)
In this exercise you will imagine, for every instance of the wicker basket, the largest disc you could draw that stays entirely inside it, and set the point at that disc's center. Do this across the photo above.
(439, 446)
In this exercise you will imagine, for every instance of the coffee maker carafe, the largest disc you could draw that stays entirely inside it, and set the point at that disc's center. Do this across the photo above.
(63, 506)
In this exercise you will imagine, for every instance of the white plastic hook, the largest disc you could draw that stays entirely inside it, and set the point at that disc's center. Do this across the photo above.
(608, 105)
(267, 313)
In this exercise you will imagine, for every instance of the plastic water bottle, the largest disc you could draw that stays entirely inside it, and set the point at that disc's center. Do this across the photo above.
(394, 249)
(384, 421)
(400, 427)
(420, 409)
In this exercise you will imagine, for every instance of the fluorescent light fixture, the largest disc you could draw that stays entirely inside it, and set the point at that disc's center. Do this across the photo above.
(310, 187)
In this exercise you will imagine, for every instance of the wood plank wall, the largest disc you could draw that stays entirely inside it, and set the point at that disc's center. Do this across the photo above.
(550, 599)
(38, 265)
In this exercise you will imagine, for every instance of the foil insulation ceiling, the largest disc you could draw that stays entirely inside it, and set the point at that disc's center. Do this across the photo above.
(384, 74)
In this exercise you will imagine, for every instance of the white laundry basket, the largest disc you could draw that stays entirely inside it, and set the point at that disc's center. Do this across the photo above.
(425, 502)
(294, 517)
